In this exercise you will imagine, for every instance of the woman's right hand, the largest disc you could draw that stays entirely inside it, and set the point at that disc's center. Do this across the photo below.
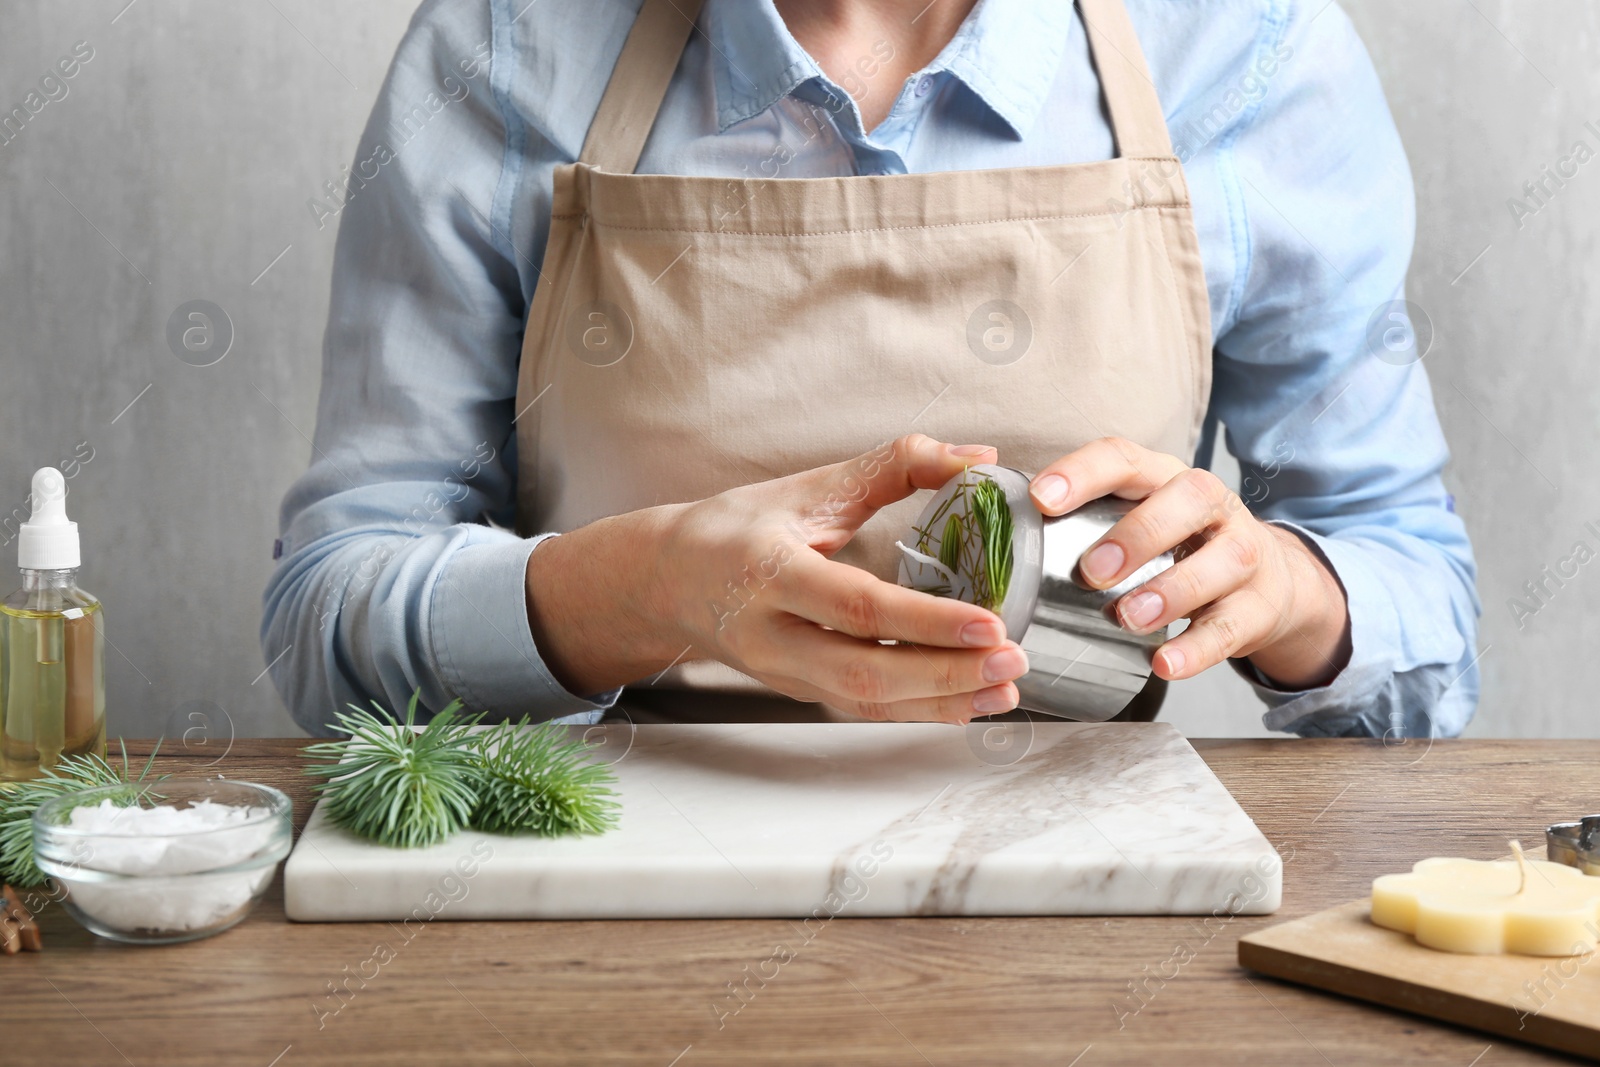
(745, 577)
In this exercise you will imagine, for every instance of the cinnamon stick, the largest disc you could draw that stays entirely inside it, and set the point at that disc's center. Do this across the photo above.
(28, 934)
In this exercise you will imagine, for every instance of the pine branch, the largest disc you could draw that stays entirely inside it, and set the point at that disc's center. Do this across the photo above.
(975, 541)
(399, 787)
(993, 516)
(407, 789)
(532, 780)
(73, 774)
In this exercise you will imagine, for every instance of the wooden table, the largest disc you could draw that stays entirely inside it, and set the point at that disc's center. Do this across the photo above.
(860, 991)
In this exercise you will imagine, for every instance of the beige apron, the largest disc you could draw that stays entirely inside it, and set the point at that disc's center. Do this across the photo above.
(692, 334)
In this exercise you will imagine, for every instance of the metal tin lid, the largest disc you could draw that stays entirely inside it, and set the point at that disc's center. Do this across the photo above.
(1574, 843)
(1081, 663)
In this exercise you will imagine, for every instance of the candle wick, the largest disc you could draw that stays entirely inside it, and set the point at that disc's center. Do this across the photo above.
(1522, 866)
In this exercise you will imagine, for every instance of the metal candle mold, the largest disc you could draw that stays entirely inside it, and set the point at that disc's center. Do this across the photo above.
(1082, 664)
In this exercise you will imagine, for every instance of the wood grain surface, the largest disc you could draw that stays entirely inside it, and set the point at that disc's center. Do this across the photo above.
(1550, 1002)
(1059, 991)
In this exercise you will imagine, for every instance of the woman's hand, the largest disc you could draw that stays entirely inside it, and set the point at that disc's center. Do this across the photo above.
(1249, 589)
(745, 577)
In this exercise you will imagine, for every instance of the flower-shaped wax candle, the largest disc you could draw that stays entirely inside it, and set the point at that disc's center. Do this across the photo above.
(1529, 907)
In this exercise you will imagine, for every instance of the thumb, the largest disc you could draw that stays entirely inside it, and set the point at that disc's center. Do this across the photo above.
(844, 495)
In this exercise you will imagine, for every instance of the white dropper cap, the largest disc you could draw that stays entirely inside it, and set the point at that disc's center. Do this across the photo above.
(48, 541)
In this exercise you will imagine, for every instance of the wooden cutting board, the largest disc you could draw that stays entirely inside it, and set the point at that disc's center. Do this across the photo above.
(822, 819)
(1553, 1002)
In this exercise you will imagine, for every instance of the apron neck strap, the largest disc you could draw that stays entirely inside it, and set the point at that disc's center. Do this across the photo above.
(1137, 121)
(638, 84)
(650, 56)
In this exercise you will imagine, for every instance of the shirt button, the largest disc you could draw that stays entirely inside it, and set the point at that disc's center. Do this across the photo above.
(924, 85)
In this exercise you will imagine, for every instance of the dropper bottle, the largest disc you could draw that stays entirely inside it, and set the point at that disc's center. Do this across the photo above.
(52, 634)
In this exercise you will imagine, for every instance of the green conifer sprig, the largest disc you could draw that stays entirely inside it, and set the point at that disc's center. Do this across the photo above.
(975, 539)
(399, 787)
(407, 788)
(536, 781)
(73, 774)
(992, 514)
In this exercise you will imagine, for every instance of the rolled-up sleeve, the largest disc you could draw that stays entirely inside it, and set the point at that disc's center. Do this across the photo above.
(1321, 385)
(396, 569)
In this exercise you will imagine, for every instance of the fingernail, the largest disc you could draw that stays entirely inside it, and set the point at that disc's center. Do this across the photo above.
(990, 701)
(1102, 561)
(968, 450)
(1051, 490)
(1004, 665)
(983, 633)
(1173, 658)
(1141, 609)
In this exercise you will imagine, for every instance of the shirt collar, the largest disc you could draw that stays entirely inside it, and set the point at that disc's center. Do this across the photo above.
(755, 59)
(1007, 52)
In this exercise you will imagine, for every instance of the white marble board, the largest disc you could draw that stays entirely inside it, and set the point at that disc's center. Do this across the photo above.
(800, 819)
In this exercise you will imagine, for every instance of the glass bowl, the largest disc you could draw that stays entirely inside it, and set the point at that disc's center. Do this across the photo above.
(156, 862)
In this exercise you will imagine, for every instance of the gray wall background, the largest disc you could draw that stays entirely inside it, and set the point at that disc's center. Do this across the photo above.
(179, 164)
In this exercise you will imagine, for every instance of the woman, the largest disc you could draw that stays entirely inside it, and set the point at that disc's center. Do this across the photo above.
(585, 295)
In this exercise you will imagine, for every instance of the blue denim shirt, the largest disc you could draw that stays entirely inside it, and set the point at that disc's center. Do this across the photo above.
(397, 568)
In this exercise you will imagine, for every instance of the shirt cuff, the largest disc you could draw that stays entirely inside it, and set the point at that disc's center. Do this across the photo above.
(483, 646)
(1339, 708)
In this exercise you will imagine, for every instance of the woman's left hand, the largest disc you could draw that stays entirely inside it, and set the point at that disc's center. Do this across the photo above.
(1249, 589)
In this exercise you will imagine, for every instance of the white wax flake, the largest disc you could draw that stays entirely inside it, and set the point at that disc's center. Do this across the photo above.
(922, 572)
(164, 847)
(168, 840)
(160, 905)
